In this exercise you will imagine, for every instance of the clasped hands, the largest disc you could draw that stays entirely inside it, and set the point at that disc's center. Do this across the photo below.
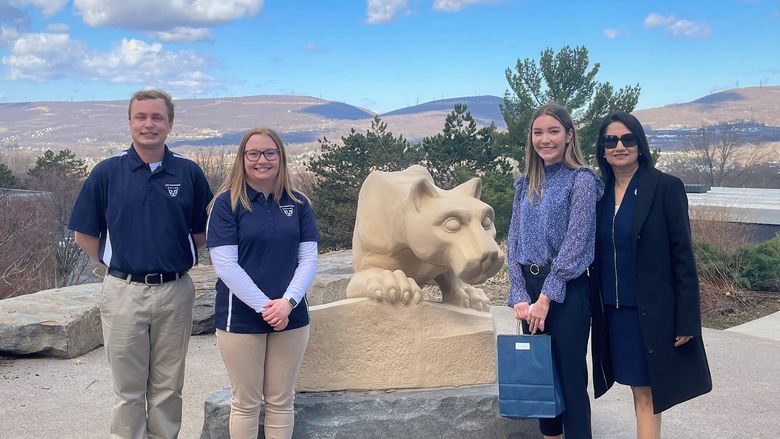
(535, 314)
(276, 313)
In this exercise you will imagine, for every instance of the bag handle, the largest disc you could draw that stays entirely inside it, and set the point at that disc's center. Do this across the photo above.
(520, 329)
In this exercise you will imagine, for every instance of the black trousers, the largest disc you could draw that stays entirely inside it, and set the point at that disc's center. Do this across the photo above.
(568, 325)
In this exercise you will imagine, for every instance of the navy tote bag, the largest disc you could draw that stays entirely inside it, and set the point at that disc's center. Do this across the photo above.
(528, 384)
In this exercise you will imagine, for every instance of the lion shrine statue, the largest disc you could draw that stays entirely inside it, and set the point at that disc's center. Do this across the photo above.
(409, 232)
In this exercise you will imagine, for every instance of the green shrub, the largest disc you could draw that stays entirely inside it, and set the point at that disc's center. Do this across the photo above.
(715, 264)
(760, 267)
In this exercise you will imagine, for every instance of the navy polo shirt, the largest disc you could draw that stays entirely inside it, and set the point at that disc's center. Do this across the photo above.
(267, 238)
(144, 219)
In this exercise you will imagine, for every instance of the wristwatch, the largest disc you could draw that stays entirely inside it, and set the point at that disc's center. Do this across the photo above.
(292, 301)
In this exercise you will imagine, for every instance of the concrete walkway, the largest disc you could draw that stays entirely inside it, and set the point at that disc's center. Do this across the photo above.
(742, 404)
(765, 327)
(47, 397)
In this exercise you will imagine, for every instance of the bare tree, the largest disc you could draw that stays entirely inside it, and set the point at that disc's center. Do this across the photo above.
(305, 180)
(61, 175)
(716, 155)
(215, 163)
(26, 233)
(18, 160)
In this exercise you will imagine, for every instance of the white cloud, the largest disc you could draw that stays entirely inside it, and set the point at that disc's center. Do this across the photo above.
(183, 35)
(138, 62)
(8, 34)
(456, 5)
(164, 15)
(13, 23)
(678, 28)
(383, 11)
(313, 47)
(655, 19)
(44, 56)
(688, 29)
(47, 7)
(611, 34)
(58, 28)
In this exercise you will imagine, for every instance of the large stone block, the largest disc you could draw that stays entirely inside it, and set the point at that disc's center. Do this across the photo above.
(65, 322)
(333, 273)
(462, 413)
(205, 279)
(359, 344)
(62, 322)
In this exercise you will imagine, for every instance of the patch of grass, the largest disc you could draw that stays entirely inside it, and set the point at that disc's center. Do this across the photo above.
(738, 308)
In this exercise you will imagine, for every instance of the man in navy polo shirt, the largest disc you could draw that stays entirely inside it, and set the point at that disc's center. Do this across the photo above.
(142, 213)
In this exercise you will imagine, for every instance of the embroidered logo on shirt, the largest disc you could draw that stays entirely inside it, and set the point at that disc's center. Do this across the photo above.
(287, 209)
(173, 189)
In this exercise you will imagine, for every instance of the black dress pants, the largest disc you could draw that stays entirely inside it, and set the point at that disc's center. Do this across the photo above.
(568, 325)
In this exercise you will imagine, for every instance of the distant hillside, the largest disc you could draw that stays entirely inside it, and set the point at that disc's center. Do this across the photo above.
(96, 128)
(485, 109)
(759, 104)
(338, 110)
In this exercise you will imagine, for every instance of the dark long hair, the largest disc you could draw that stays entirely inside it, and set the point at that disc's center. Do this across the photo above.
(632, 123)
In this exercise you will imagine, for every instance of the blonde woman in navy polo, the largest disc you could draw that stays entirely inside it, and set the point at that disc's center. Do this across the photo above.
(262, 238)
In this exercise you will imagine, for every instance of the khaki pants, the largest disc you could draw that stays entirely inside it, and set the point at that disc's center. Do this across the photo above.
(263, 367)
(146, 331)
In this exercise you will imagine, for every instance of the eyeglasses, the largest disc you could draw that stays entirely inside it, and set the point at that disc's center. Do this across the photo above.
(270, 155)
(629, 140)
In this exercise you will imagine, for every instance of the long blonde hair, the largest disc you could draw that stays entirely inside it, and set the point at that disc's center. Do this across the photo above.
(534, 165)
(236, 180)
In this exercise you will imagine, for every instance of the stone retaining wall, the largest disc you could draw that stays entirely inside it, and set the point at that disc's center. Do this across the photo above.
(65, 322)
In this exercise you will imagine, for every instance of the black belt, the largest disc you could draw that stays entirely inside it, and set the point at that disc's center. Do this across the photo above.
(537, 270)
(148, 278)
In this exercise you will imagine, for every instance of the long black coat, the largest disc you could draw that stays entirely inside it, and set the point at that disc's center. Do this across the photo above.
(667, 294)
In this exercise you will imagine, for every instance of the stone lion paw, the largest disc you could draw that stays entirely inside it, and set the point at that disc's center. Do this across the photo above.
(385, 286)
(468, 297)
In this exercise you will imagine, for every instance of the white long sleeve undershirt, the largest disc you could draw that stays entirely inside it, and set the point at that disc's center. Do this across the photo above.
(225, 260)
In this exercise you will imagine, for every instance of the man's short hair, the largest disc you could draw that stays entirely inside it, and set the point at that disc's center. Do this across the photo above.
(152, 93)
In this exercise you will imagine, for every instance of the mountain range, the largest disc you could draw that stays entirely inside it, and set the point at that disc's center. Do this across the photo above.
(97, 128)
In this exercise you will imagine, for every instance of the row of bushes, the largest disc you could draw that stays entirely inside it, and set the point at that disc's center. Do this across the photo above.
(751, 267)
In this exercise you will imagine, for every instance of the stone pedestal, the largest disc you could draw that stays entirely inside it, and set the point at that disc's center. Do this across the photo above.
(462, 413)
(359, 344)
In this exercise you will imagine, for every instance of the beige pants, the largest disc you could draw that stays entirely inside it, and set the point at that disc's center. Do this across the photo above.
(263, 367)
(146, 331)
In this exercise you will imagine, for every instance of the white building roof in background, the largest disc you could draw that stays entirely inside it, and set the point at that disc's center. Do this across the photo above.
(741, 205)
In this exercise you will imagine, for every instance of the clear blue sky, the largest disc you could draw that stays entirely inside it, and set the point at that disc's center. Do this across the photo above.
(377, 54)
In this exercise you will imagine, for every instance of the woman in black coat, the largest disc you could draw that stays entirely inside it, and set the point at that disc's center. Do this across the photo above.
(646, 314)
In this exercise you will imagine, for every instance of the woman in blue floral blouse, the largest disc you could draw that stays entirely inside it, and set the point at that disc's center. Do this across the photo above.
(550, 246)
